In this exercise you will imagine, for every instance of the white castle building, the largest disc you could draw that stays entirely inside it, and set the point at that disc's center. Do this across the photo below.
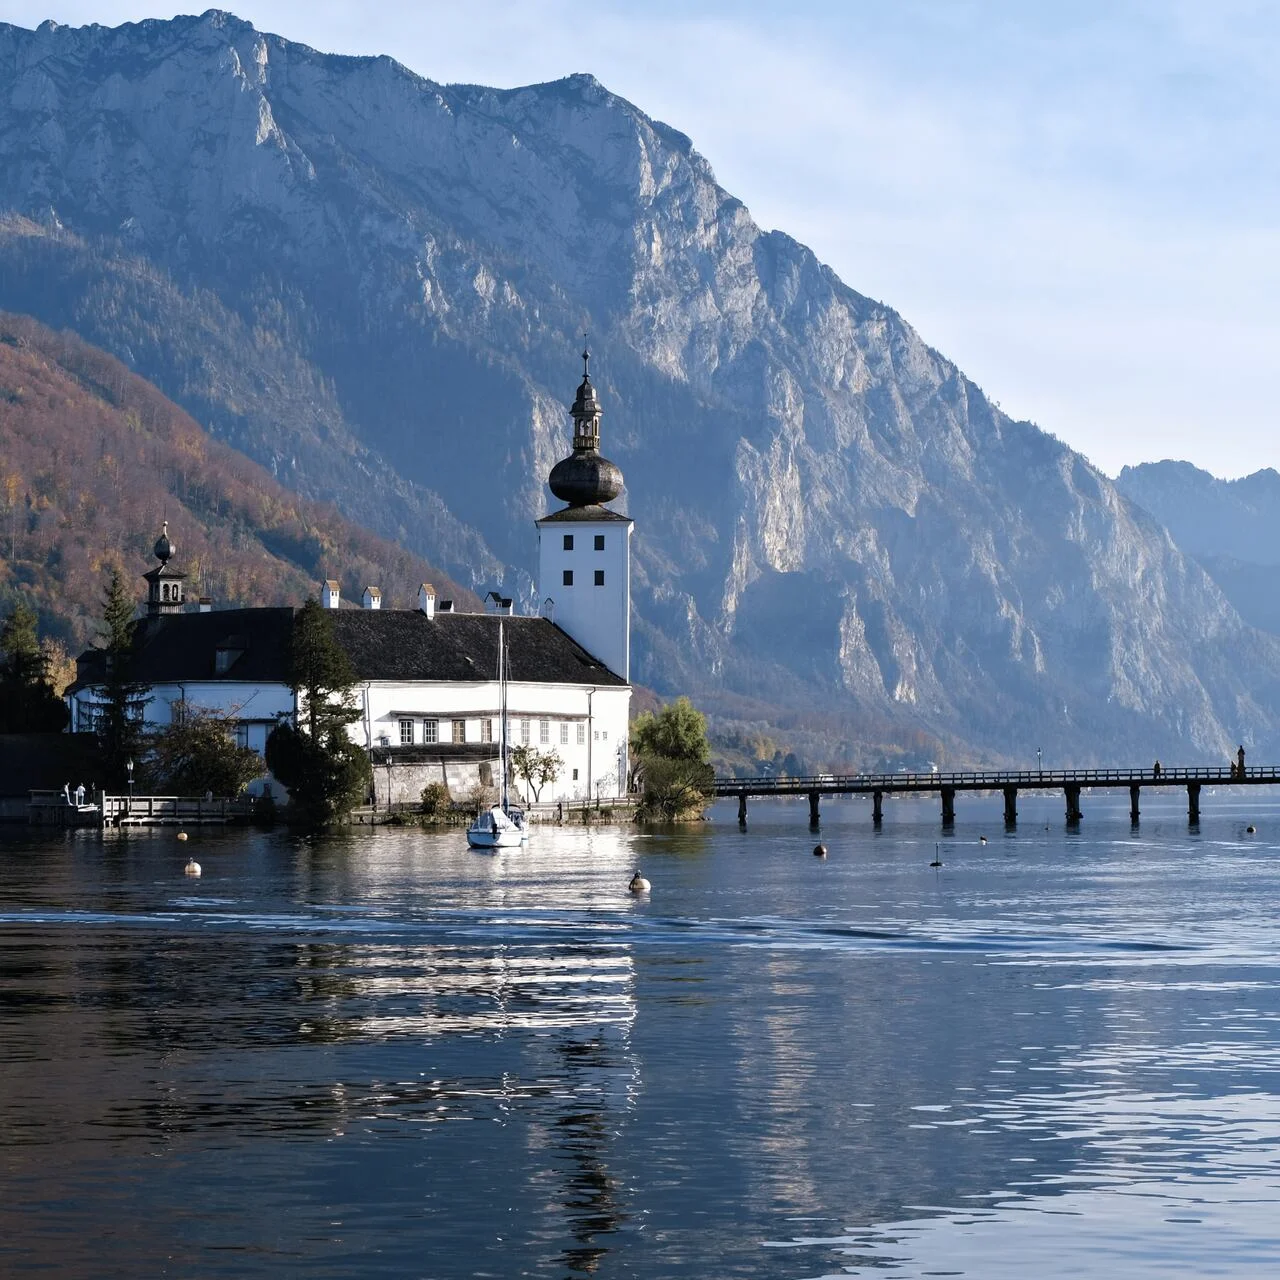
(427, 678)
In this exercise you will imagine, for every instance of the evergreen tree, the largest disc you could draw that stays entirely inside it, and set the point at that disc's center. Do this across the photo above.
(326, 773)
(28, 703)
(120, 725)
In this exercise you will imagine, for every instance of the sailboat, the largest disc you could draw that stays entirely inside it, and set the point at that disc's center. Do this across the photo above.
(500, 826)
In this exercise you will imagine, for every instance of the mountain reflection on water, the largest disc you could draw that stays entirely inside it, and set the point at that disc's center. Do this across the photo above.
(384, 1054)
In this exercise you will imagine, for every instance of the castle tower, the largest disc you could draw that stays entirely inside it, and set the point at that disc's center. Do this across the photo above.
(165, 592)
(584, 549)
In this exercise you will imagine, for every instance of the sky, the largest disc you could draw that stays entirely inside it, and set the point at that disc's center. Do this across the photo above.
(1077, 203)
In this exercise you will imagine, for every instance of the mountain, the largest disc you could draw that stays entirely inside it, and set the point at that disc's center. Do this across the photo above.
(93, 457)
(1232, 527)
(376, 286)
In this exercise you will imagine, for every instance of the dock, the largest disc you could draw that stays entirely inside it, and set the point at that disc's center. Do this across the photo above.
(1071, 782)
(51, 809)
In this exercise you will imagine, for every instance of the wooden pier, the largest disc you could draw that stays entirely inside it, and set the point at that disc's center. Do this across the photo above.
(51, 808)
(1071, 782)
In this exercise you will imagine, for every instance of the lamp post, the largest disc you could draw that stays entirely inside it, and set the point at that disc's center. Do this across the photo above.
(128, 764)
(1039, 768)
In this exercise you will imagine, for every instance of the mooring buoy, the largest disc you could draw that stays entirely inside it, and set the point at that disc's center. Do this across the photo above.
(1249, 830)
(819, 850)
(638, 884)
(192, 868)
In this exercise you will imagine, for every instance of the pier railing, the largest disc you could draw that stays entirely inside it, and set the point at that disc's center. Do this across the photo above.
(1007, 781)
(991, 780)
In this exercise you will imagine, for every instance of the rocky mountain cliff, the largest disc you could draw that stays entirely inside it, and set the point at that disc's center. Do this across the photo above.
(376, 285)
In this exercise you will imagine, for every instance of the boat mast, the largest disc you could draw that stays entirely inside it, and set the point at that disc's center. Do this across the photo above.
(502, 712)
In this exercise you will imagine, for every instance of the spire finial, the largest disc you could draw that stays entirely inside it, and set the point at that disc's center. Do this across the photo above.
(586, 357)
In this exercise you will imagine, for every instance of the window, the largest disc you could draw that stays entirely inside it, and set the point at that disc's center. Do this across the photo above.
(406, 733)
(178, 711)
(604, 735)
(582, 733)
(599, 541)
(431, 731)
(242, 735)
(599, 577)
(568, 577)
(568, 542)
(564, 733)
(486, 730)
(524, 733)
(459, 731)
(544, 732)
(596, 735)
(575, 775)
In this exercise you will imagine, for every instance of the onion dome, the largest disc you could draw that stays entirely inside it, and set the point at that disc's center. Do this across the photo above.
(164, 550)
(585, 478)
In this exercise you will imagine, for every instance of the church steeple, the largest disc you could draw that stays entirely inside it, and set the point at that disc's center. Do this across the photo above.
(585, 479)
(584, 548)
(165, 592)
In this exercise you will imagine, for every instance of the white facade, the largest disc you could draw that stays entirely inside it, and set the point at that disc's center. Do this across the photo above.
(254, 708)
(586, 726)
(584, 571)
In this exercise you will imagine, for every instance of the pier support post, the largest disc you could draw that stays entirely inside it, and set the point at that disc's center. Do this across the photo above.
(1133, 804)
(742, 808)
(1011, 807)
(1073, 804)
(877, 807)
(813, 810)
(1193, 802)
(948, 806)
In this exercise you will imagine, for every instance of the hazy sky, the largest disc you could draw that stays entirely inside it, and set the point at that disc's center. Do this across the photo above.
(1076, 201)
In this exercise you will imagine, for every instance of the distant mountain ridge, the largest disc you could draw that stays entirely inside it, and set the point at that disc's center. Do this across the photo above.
(1207, 516)
(1232, 527)
(376, 286)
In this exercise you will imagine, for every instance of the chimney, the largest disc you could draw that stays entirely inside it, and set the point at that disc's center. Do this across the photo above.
(446, 606)
(206, 604)
(330, 594)
(372, 598)
(427, 599)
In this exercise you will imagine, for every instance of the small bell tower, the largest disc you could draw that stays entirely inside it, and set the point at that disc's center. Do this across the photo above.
(165, 591)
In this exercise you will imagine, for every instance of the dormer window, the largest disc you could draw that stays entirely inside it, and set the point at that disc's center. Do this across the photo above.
(227, 654)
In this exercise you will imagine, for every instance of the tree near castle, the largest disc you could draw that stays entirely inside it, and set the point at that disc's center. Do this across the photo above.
(122, 702)
(535, 768)
(325, 772)
(672, 756)
(28, 701)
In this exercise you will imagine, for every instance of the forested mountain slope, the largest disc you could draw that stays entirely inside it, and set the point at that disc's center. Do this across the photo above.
(92, 459)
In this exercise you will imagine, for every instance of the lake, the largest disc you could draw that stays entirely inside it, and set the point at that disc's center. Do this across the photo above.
(382, 1054)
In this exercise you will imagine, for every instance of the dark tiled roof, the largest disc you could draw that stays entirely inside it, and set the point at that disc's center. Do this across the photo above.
(595, 514)
(403, 644)
(184, 646)
(383, 644)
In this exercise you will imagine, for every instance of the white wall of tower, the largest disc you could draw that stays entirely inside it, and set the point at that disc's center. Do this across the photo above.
(593, 605)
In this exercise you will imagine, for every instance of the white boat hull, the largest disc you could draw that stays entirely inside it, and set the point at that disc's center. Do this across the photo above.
(494, 830)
